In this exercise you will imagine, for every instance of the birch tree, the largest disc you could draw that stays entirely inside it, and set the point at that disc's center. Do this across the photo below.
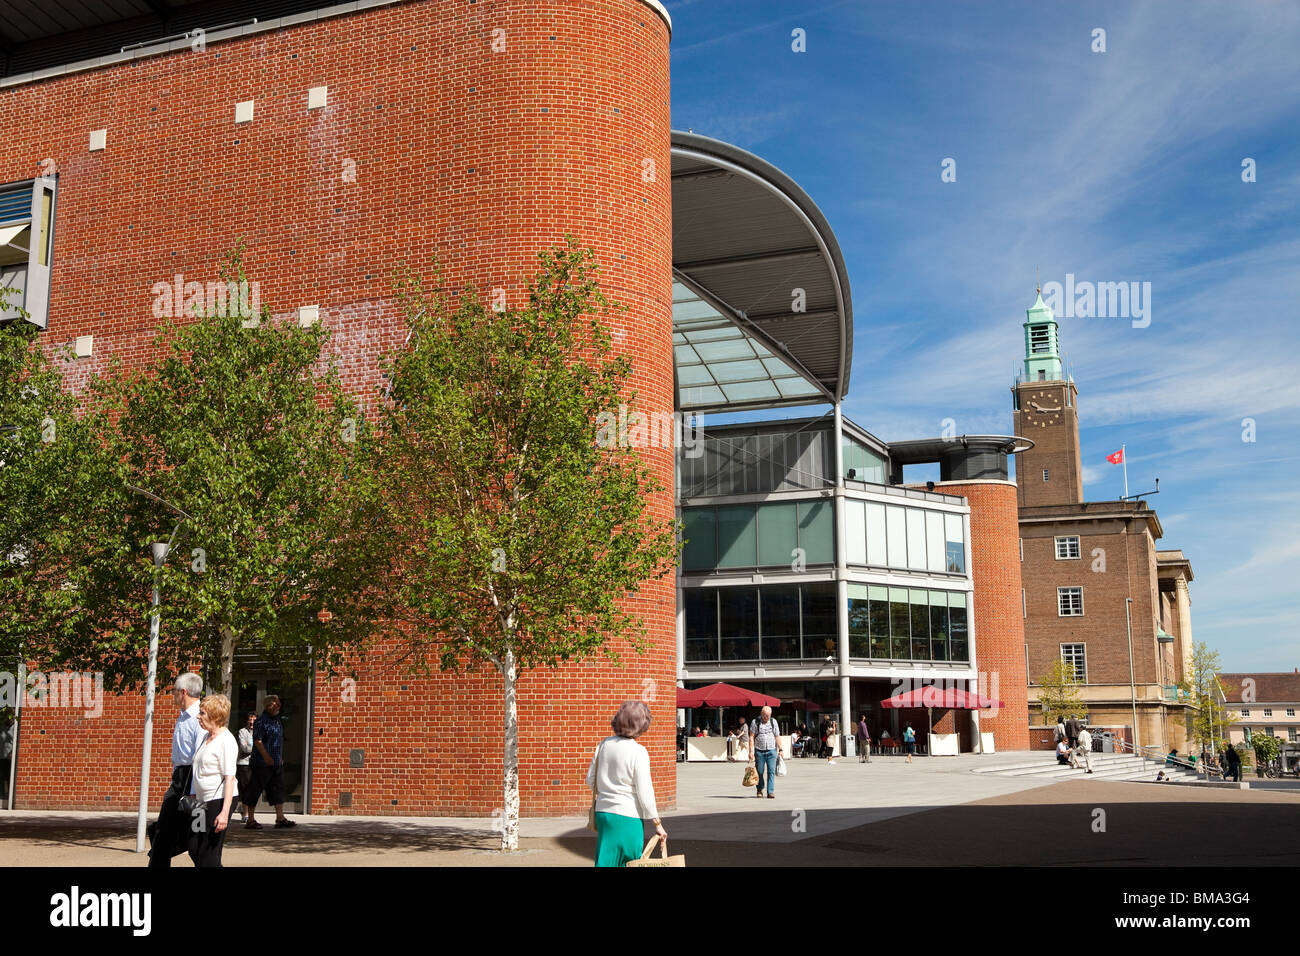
(521, 530)
(237, 420)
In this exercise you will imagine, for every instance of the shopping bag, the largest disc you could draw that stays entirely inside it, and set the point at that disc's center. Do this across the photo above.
(780, 765)
(751, 777)
(662, 860)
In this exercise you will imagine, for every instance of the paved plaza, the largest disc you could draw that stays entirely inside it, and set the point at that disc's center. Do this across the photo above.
(933, 811)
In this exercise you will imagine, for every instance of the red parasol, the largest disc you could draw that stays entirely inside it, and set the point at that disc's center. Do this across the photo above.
(724, 695)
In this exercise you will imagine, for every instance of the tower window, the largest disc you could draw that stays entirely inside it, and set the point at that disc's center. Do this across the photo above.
(1044, 474)
(1042, 375)
(1039, 340)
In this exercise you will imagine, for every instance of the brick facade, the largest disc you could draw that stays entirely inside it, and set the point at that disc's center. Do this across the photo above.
(431, 143)
(999, 627)
(1047, 413)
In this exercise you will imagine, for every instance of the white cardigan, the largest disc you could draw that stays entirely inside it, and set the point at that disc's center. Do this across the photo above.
(620, 772)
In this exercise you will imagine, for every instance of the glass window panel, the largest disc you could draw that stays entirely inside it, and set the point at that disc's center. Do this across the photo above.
(873, 468)
(738, 623)
(859, 628)
(820, 632)
(737, 540)
(777, 533)
(700, 531)
(780, 622)
(792, 387)
(879, 602)
(896, 532)
(915, 539)
(721, 351)
(935, 552)
(817, 531)
(956, 543)
(957, 626)
(900, 624)
(738, 371)
(939, 625)
(855, 531)
(701, 610)
(750, 391)
(876, 535)
(920, 601)
(693, 375)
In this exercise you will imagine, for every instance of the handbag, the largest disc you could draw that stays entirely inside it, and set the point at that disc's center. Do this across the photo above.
(751, 777)
(663, 859)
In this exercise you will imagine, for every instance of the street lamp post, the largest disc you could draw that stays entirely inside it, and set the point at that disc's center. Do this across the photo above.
(160, 551)
(1132, 680)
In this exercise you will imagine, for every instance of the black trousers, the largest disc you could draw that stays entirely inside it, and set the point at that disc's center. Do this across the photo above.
(205, 847)
(169, 837)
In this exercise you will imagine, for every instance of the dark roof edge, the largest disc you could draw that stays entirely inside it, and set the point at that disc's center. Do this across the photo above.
(793, 191)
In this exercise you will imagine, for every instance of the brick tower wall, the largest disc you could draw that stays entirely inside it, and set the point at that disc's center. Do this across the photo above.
(999, 624)
(481, 133)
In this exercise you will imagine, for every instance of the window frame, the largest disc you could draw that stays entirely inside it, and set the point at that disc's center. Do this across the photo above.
(1061, 593)
(1063, 553)
(1081, 653)
(34, 297)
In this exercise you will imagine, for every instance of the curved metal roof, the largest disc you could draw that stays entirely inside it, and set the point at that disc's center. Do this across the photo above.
(762, 315)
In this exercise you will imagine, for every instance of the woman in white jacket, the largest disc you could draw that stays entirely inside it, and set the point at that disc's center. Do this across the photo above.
(214, 764)
(619, 777)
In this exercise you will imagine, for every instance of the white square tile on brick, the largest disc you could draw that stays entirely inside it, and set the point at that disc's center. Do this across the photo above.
(316, 97)
(244, 112)
(98, 139)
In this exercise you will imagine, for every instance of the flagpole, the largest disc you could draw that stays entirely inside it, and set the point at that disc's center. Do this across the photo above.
(1124, 461)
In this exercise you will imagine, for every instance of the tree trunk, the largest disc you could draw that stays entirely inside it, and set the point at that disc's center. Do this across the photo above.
(510, 812)
(227, 662)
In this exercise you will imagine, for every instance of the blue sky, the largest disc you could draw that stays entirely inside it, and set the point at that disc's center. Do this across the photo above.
(1117, 166)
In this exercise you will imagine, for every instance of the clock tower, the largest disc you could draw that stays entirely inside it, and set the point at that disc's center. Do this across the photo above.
(1046, 411)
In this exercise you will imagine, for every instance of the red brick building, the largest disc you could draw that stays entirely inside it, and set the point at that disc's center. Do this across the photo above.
(1097, 591)
(338, 141)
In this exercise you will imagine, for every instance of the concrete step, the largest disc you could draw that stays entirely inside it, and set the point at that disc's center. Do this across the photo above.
(1104, 767)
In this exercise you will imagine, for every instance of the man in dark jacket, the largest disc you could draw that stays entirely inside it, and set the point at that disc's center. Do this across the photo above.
(1232, 759)
(1072, 732)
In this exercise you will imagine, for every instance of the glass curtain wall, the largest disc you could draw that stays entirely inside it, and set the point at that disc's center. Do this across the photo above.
(913, 624)
(772, 622)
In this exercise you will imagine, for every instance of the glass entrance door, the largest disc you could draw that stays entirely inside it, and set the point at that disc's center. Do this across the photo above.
(252, 685)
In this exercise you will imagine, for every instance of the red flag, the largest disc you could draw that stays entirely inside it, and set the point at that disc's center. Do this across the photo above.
(1117, 458)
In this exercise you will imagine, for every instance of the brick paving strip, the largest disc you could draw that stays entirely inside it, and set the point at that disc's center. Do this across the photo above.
(1052, 825)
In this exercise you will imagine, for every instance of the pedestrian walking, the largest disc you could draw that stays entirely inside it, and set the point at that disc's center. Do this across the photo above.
(168, 835)
(267, 762)
(214, 781)
(1072, 731)
(832, 728)
(243, 770)
(766, 738)
(1084, 747)
(909, 742)
(864, 740)
(1232, 763)
(623, 793)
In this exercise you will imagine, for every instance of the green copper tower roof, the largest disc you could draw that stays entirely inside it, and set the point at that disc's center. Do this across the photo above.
(1042, 347)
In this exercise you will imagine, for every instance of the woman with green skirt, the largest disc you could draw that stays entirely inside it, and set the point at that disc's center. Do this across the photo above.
(620, 779)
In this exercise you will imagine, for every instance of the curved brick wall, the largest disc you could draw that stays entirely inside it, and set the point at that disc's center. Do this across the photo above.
(999, 623)
(481, 157)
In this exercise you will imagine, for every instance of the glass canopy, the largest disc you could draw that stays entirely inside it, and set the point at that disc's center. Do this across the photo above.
(719, 364)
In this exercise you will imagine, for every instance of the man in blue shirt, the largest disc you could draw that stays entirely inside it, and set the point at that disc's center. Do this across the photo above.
(267, 763)
(170, 832)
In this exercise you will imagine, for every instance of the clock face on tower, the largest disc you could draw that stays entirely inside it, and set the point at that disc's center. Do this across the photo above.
(1042, 415)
